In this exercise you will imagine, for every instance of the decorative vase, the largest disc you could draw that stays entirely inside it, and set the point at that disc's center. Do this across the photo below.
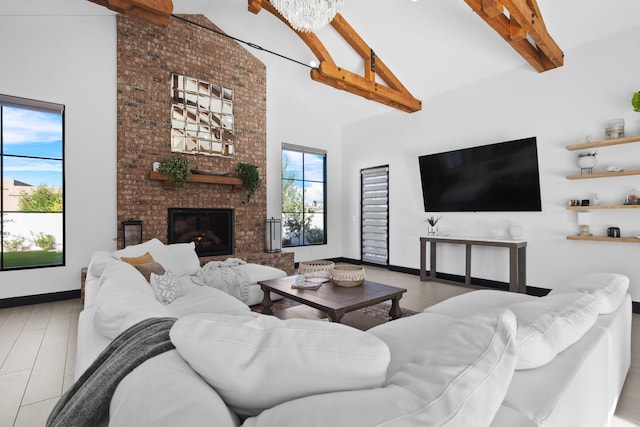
(515, 232)
(587, 162)
(432, 230)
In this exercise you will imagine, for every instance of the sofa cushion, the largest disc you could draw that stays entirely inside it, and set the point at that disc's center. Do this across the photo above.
(458, 379)
(203, 299)
(476, 301)
(608, 288)
(548, 325)
(187, 258)
(165, 392)
(406, 335)
(255, 363)
(158, 251)
(124, 299)
(99, 259)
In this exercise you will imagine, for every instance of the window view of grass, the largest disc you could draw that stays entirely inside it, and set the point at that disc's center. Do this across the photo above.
(31, 258)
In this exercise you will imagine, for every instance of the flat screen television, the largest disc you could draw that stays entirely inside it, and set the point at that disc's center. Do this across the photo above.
(502, 177)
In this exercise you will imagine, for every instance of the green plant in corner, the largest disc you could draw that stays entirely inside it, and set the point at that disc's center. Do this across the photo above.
(178, 170)
(250, 179)
(635, 101)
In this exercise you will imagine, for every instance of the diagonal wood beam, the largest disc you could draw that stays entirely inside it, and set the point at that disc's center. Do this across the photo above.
(523, 29)
(394, 94)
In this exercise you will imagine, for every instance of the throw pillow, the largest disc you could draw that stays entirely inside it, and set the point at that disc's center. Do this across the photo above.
(549, 325)
(255, 363)
(148, 268)
(166, 287)
(457, 379)
(143, 259)
(187, 258)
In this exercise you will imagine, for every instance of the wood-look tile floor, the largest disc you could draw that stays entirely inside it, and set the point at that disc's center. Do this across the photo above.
(38, 342)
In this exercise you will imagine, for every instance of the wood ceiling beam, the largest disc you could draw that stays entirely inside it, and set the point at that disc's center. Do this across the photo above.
(523, 29)
(156, 12)
(394, 94)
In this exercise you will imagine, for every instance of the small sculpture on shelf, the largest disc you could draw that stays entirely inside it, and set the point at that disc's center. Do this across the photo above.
(633, 198)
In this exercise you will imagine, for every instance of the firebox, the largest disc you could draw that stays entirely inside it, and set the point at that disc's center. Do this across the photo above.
(210, 229)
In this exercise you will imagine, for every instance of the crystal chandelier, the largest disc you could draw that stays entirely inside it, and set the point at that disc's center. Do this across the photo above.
(308, 15)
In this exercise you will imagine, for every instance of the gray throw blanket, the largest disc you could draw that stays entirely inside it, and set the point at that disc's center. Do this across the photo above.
(227, 275)
(87, 401)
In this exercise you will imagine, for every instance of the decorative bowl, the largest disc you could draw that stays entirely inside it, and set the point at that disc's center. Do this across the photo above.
(348, 276)
(316, 269)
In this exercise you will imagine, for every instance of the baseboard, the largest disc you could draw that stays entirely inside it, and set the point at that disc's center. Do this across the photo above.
(38, 299)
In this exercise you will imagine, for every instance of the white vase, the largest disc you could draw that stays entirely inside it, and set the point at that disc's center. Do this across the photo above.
(515, 232)
(587, 162)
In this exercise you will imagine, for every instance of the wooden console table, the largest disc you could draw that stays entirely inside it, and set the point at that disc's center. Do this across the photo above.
(517, 259)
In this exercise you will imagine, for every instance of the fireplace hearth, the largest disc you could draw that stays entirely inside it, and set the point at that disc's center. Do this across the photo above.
(210, 229)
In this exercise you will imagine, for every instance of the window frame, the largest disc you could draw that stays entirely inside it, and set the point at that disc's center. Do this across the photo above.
(312, 151)
(38, 106)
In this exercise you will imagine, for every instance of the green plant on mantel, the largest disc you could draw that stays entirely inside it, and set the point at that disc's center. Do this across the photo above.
(250, 179)
(635, 101)
(178, 170)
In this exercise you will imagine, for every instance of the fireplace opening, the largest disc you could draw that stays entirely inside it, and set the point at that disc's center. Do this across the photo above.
(210, 229)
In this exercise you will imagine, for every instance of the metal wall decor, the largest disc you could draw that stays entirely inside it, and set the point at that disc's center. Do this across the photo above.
(201, 117)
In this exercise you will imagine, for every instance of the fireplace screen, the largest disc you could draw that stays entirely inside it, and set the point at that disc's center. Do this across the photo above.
(210, 229)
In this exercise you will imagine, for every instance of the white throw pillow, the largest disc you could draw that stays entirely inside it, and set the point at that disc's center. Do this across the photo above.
(158, 251)
(548, 325)
(166, 287)
(124, 299)
(457, 379)
(187, 258)
(255, 363)
(608, 288)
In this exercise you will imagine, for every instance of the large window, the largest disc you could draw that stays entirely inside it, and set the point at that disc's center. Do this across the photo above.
(304, 196)
(32, 170)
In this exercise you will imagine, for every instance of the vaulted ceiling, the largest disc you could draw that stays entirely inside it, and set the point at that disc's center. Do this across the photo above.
(432, 46)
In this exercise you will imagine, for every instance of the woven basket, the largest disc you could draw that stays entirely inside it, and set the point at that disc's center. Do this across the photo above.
(313, 269)
(348, 275)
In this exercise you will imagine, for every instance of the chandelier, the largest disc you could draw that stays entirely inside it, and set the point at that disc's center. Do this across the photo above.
(308, 15)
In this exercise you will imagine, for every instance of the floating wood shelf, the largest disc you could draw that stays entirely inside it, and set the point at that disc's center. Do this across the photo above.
(604, 143)
(234, 182)
(588, 208)
(605, 174)
(606, 239)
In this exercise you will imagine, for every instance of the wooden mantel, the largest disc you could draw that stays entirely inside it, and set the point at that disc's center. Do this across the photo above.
(234, 182)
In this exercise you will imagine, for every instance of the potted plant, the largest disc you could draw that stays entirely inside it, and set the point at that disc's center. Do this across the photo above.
(432, 221)
(587, 160)
(178, 170)
(635, 101)
(250, 179)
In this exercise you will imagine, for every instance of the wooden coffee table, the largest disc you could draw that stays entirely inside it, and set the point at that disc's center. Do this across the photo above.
(334, 300)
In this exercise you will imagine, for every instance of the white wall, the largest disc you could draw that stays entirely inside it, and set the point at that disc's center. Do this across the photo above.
(292, 119)
(560, 107)
(71, 61)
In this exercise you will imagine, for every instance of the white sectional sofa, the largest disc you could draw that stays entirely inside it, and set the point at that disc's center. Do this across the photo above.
(485, 358)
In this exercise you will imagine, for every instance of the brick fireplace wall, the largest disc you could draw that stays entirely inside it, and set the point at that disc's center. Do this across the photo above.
(147, 55)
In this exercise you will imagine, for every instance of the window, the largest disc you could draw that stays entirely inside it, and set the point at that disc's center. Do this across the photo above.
(32, 170)
(304, 196)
